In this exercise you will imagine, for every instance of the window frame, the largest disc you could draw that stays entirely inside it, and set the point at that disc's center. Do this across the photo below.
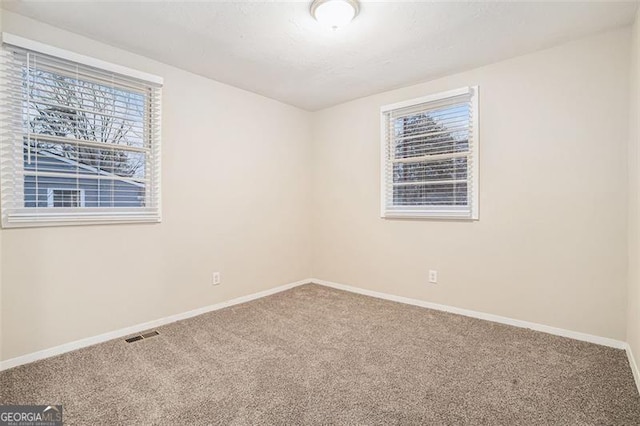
(51, 196)
(17, 217)
(433, 212)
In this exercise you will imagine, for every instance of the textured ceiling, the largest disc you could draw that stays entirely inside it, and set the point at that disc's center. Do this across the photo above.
(276, 49)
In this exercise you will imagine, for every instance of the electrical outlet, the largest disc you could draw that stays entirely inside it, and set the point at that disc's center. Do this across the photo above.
(216, 278)
(433, 276)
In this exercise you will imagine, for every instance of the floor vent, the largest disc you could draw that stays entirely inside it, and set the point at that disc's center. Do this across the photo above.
(142, 336)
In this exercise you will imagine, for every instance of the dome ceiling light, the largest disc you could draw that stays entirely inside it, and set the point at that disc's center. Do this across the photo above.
(334, 13)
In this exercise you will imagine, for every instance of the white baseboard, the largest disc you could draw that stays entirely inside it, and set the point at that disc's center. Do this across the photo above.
(634, 366)
(605, 341)
(78, 344)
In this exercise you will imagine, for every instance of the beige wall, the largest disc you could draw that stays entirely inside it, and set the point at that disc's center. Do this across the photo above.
(633, 313)
(551, 243)
(550, 246)
(235, 200)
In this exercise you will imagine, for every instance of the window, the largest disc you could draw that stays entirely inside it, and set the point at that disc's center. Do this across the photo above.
(65, 197)
(82, 139)
(430, 157)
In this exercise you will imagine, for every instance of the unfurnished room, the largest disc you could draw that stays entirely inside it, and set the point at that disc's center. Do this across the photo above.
(319, 212)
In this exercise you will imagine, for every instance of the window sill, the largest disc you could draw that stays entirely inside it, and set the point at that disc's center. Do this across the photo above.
(54, 218)
(434, 215)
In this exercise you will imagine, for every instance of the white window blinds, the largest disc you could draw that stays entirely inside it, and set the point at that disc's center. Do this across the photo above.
(72, 128)
(430, 157)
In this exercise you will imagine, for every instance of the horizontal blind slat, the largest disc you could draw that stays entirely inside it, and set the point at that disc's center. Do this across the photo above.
(85, 143)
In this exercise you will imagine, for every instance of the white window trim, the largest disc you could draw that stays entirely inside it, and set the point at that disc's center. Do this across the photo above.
(435, 212)
(36, 46)
(50, 192)
(34, 217)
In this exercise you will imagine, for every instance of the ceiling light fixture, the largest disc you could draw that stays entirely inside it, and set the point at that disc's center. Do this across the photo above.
(334, 13)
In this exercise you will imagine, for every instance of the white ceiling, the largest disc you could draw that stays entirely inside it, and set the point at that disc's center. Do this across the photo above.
(276, 49)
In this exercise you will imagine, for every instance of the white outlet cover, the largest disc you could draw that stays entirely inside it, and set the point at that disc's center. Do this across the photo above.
(433, 276)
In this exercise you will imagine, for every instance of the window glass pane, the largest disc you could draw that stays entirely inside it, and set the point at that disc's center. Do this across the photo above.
(431, 195)
(71, 158)
(427, 133)
(62, 106)
(440, 131)
(425, 171)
